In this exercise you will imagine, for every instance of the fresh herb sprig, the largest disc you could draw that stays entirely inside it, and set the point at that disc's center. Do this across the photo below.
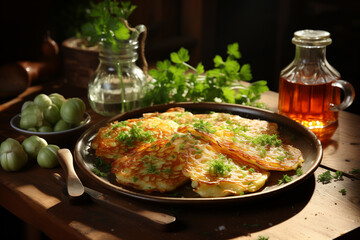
(343, 191)
(101, 168)
(105, 25)
(326, 177)
(177, 81)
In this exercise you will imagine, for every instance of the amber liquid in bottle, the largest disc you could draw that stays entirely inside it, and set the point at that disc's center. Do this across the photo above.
(309, 104)
(308, 86)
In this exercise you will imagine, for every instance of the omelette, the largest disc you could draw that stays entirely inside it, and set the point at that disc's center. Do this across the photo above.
(120, 138)
(153, 167)
(214, 174)
(220, 154)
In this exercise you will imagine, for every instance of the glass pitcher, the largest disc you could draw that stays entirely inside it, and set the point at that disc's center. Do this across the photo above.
(309, 87)
(117, 84)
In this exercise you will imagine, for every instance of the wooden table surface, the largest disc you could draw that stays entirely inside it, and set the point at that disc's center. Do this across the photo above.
(311, 210)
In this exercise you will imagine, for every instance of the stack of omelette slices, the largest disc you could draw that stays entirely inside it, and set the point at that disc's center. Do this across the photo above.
(220, 153)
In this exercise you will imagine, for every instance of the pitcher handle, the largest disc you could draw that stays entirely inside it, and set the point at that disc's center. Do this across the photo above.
(349, 94)
(134, 36)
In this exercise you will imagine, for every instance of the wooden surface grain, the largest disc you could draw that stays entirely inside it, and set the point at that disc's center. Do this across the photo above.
(311, 210)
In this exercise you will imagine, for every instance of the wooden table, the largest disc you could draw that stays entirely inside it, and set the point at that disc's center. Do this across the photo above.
(312, 210)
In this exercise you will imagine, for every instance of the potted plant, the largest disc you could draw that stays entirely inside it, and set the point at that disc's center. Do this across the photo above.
(81, 52)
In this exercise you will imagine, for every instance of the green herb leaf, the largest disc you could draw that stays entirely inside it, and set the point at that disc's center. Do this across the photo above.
(181, 56)
(265, 139)
(204, 126)
(325, 177)
(101, 168)
(299, 171)
(105, 25)
(121, 33)
(135, 133)
(338, 176)
(285, 179)
(220, 166)
(233, 50)
(355, 171)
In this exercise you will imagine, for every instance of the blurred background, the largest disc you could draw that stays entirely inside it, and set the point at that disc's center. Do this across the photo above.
(262, 28)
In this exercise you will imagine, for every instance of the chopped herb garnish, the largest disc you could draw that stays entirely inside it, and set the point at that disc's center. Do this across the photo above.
(262, 152)
(135, 179)
(143, 159)
(286, 155)
(198, 150)
(100, 164)
(263, 238)
(135, 133)
(236, 127)
(204, 126)
(119, 124)
(151, 168)
(326, 177)
(101, 168)
(285, 179)
(168, 170)
(176, 135)
(338, 175)
(343, 191)
(219, 167)
(355, 171)
(299, 171)
(265, 139)
(99, 173)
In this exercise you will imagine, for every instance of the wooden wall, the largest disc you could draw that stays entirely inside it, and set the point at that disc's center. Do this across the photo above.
(262, 28)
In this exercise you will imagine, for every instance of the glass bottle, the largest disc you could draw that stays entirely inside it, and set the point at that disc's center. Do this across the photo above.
(117, 84)
(309, 87)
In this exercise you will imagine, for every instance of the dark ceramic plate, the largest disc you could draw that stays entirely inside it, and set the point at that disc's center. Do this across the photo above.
(291, 131)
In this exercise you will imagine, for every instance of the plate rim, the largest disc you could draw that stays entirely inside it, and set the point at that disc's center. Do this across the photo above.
(17, 128)
(190, 105)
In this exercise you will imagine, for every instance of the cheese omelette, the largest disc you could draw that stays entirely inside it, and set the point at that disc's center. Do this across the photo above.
(220, 154)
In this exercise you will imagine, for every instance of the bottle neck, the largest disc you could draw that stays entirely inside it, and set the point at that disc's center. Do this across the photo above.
(125, 54)
(310, 55)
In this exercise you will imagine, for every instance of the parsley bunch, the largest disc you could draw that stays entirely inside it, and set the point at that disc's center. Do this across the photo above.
(177, 81)
(104, 23)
